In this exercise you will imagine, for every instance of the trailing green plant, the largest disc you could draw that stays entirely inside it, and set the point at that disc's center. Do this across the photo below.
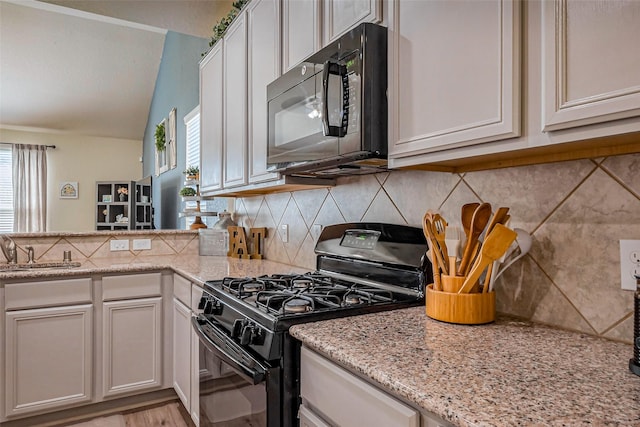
(160, 137)
(187, 191)
(225, 21)
(192, 170)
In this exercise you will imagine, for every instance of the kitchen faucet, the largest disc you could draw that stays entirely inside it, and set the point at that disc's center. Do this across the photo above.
(9, 249)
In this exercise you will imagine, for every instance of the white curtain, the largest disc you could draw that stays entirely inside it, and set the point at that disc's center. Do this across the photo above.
(29, 188)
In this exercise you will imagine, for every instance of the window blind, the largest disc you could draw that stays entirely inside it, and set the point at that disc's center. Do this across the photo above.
(6, 190)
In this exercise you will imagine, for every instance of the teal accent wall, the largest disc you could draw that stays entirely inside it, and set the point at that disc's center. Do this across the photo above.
(177, 85)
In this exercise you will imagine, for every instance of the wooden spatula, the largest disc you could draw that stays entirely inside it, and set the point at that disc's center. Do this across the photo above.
(495, 244)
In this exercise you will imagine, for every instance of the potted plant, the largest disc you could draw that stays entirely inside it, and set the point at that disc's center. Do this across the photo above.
(160, 137)
(193, 173)
(187, 192)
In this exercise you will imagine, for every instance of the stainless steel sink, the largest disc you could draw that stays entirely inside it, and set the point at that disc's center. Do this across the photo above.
(39, 266)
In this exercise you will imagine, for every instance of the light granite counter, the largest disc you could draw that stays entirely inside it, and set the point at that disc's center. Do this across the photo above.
(193, 267)
(508, 373)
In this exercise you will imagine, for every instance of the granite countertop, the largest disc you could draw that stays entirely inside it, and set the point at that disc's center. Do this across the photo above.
(193, 267)
(508, 373)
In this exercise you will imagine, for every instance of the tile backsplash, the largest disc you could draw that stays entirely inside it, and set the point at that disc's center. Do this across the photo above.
(576, 211)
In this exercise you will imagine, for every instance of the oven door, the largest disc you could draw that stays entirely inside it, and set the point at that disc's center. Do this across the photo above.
(233, 383)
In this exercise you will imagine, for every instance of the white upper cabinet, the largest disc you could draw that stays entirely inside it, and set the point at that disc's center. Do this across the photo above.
(300, 31)
(591, 62)
(234, 127)
(211, 80)
(340, 16)
(454, 74)
(263, 67)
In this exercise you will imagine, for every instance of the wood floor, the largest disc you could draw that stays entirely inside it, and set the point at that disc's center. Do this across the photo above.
(168, 414)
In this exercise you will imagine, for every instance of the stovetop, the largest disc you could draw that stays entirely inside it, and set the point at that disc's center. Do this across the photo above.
(362, 268)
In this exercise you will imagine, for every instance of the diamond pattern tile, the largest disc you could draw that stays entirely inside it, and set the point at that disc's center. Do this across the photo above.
(578, 211)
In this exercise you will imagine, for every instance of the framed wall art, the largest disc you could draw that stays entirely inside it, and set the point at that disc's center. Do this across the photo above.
(162, 161)
(69, 190)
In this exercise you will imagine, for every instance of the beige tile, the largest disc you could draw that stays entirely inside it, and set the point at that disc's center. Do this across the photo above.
(382, 177)
(56, 253)
(309, 202)
(41, 245)
(532, 192)
(176, 243)
(329, 213)
(241, 216)
(306, 257)
(252, 206)
(277, 203)
(297, 229)
(626, 168)
(623, 331)
(578, 248)
(415, 192)
(354, 195)
(104, 251)
(264, 219)
(87, 245)
(451, 208)
(382, 209)
(275, 251)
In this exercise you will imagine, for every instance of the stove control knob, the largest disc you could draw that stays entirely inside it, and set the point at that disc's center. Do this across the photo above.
(247, 334)
(203, 301)
(238, 326)
(213, 307)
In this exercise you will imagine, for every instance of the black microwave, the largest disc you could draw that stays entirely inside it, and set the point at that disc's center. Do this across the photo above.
(328, 115)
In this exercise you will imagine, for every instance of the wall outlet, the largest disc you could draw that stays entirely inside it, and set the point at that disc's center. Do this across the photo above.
(284, 232)
(629, 263)
(141, 244)
(119, 245)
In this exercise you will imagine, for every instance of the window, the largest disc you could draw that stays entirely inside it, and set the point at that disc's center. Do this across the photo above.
(6, 190)
(192, 122)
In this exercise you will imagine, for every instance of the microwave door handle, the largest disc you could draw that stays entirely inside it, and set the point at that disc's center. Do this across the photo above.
(334, 68)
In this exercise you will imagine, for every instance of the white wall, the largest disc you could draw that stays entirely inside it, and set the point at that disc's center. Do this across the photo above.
(84, 159)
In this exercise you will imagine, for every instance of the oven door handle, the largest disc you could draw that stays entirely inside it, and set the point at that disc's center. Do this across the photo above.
(254, 374)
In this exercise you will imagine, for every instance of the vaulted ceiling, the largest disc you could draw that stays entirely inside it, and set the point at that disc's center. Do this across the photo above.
(89, 67)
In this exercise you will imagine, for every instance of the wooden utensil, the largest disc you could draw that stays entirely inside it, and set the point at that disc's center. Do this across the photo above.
(496, 243)
(452, 242)
(478, 223)
(499, 217)
(466, 216)
(440, 232)
(436, 255)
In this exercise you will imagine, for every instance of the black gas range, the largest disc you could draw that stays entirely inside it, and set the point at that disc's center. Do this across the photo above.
(243, 327)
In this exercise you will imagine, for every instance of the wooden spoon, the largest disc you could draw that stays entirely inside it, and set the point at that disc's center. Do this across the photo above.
(478, 223)
(466, 216)
(496, 243)
(436, 255)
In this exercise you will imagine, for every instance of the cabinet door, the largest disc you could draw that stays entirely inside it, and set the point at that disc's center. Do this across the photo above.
(453, 74)
(300, 31)
(342, 15)
(309, 419)
(182, 352)
(49, 358)
(211, 80)
(195, 378)
(235, 104)
(132, 350)
(590, 76)
(263, 67)
(367, 405)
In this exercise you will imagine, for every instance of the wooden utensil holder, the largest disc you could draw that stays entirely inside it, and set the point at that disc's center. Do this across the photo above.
(466, 309)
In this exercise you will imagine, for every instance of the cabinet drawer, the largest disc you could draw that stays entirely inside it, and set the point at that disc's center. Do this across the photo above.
(196, 294)
(131, 286)
(49, 293)
(347, 400)
(182, 289)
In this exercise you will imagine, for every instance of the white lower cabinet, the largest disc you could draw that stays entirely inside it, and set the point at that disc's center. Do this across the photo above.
(333, 396)
(49, 358)
(132, 334)
(182, 352)
(48, 346)
(132, 347)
